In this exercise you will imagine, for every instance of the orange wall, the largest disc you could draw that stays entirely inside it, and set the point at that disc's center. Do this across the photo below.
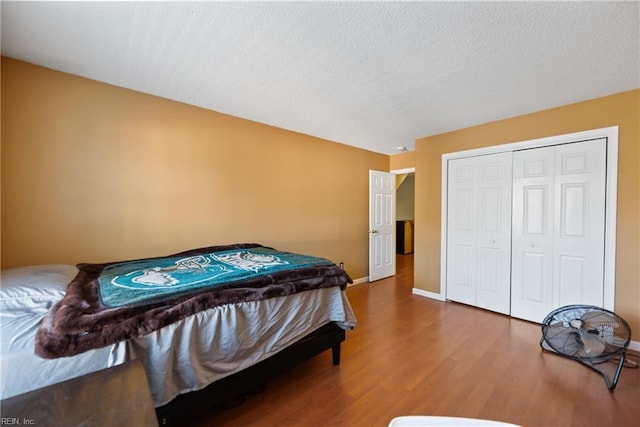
(93, 173)
(403, 160)
(621, 110)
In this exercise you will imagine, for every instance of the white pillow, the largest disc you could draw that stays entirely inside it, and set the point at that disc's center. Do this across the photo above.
(34, 284)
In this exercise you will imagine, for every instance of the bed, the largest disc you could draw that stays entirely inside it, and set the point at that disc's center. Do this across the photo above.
(196, 355)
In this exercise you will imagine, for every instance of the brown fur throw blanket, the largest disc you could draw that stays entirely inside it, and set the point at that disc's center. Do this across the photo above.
(80, 322)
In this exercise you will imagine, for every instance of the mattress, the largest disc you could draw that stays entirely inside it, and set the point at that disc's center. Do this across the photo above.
(26, 295)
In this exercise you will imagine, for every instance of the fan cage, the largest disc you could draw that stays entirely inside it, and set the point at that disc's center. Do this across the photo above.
(590, 335)
(610, 328)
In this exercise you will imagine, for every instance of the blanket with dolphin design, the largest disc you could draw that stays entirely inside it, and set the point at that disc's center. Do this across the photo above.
(111, 302)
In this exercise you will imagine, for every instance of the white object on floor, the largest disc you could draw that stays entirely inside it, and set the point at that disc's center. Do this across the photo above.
(429, 421)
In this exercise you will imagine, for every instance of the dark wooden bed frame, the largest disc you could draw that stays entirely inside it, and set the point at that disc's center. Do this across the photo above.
(187, 406)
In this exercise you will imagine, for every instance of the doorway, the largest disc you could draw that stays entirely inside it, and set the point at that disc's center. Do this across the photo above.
(405, 218)
(384, 209)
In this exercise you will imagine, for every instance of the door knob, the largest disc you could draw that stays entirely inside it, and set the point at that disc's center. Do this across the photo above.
(373, 231)
(532, 245)
(493, 240)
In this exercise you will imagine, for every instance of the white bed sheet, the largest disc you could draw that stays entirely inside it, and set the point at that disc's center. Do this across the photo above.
(21, 370)
(181, 357)
(188, 355)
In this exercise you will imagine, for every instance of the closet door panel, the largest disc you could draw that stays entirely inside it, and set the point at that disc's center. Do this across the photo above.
(558, 228)
(532, 228)
(534, 278)
(580, 223)
(493, 289)
(461, 230)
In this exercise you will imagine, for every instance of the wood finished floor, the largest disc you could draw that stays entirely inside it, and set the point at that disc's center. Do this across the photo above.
(411, 355)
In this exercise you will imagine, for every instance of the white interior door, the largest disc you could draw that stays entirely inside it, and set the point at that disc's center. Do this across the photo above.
(382, 242)
(558, 228)
(479, 231)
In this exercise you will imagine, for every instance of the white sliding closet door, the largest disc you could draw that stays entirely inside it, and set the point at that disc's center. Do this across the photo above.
(558, 228)
(479, 231)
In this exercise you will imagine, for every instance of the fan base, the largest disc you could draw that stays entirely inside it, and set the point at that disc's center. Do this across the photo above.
(611, 381)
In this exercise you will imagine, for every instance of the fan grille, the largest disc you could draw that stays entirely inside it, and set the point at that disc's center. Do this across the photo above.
(583, 331)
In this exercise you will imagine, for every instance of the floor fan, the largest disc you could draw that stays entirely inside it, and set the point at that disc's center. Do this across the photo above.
(590, 335)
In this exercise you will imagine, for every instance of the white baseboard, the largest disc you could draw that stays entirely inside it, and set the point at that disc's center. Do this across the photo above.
(358, 281)
(635, 346)
(427, 294)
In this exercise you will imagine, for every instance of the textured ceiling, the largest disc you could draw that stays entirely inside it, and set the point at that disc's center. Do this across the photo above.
(375, 75)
